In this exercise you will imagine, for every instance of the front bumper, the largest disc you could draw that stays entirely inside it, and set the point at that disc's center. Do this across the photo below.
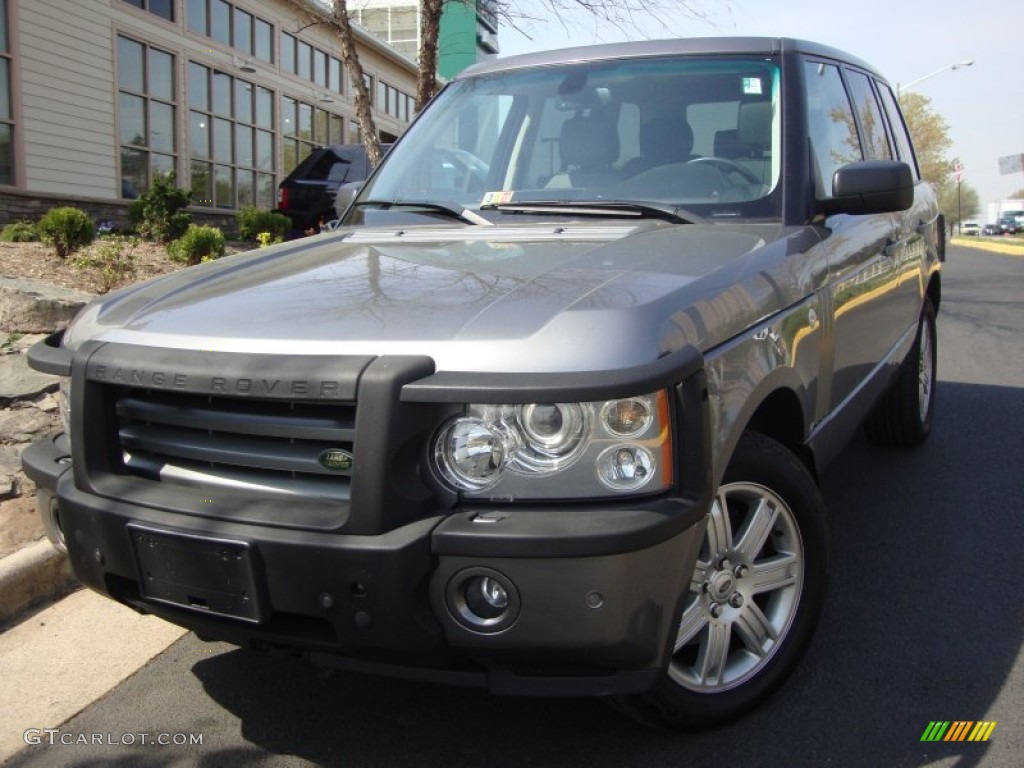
(373, 580)
(587, 624)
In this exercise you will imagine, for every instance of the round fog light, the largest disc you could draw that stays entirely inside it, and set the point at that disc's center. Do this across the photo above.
(482, 600)
(486, 597)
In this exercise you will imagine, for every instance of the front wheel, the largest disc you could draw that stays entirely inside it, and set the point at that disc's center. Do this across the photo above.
(754, 597)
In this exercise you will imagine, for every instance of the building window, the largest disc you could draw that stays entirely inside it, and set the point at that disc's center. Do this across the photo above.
(335, 77)
(304, 127)
(397, 24)
(263, 43)
(146, 114)
(394, 102)
(368, 82)
(304, 61)
(232, 26)
(310, 63)
(162, 8)
(288, 43)
(231, 140)
(220, 21)
(244, 29)
(6, 108)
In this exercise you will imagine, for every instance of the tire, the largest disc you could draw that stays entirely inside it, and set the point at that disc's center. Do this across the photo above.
(903, 417)
(753, 603)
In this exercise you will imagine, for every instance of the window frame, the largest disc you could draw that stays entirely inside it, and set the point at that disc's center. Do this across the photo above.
(144, 6)
(229, 126)
(9, 121)
(164, 157)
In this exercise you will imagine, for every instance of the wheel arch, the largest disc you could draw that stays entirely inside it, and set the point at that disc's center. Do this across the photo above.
(774, 410)
(780, 416)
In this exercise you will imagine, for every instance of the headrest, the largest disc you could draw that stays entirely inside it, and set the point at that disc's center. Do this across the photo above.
(588, 142)
(754, 124)
(666, 139)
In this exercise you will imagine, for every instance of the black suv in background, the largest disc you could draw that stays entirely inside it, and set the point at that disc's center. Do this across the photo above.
(306, 196)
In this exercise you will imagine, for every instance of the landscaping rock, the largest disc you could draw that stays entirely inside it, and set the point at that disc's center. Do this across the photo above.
(32, 306)
(19, 382)
(23, 425)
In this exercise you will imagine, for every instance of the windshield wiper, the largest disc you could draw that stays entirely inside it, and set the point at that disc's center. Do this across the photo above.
(453, 210)
(639, 209)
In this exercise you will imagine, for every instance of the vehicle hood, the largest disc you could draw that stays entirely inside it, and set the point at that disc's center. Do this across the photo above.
(528, 297)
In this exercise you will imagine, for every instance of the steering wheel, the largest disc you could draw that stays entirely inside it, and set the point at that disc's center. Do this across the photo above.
(729, 167)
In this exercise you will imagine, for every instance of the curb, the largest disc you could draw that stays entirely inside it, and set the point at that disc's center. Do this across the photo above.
(1007, 249)
(32, 575)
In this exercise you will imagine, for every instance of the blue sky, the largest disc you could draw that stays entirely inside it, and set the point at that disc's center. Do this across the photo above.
(983, 104)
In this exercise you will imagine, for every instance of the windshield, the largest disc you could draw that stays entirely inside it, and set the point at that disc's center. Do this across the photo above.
(701, 133)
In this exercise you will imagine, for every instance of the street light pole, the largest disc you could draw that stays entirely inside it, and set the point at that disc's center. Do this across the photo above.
(958, 65)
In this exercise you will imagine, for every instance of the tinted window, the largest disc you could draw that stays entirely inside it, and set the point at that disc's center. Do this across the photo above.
(898, 128)
(831, 127)
(872, 123)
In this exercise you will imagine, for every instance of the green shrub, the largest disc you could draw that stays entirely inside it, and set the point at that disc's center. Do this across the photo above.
(19, 232)
(157, 212)
(113, 259)
(198, 244)
(66, 229)
(252, 221)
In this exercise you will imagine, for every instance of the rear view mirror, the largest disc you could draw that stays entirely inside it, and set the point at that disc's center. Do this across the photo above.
(870, 186)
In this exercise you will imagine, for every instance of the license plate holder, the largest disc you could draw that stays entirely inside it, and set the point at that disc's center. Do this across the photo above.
(205, 574)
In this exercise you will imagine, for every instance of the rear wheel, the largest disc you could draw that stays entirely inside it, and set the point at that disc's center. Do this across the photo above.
(903, 417)
(755, 595)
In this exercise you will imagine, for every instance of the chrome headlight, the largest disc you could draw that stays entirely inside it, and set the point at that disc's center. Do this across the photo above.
(558, 450)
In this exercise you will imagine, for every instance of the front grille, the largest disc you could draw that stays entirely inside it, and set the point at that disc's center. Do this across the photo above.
(267, 447)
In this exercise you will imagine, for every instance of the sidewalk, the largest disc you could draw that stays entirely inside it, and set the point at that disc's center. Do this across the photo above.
(58, 661)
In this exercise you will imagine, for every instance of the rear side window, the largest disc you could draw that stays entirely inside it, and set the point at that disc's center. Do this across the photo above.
(831, 127)
(904, 148)
(327, 167)
(875, 139)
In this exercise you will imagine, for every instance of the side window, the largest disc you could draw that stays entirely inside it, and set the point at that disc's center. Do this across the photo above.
(339, 171)
(831, 127)
(871, 121)
(904, 147)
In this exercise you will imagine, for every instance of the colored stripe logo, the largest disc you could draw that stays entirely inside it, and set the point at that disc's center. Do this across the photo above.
(958, 730)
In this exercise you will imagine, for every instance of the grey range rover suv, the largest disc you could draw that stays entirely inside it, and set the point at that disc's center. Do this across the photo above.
(547, 420)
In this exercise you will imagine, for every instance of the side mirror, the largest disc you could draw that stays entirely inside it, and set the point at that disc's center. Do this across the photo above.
(345, 195)
(870, 186)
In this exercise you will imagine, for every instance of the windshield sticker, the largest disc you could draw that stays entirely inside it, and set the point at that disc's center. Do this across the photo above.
(752, 86)
(497, 198)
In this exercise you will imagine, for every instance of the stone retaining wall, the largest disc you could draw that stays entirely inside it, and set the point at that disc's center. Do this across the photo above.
(29, 310)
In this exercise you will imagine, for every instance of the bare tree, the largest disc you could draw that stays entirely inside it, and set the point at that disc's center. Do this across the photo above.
(430, 30)
(624, 14)
(337, 20)
(343, 28)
